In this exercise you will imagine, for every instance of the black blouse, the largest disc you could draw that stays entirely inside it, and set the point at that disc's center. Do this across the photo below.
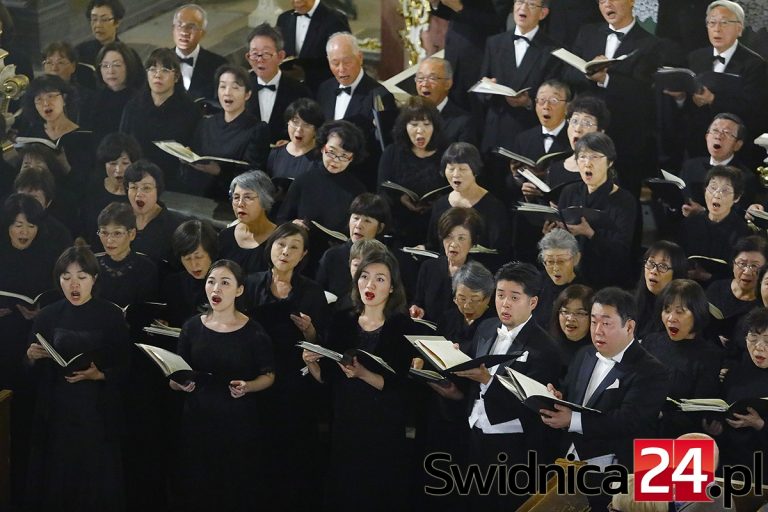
(106, 111)
(282, 164)
(699, 236)
(251, 260)
(496, 233)
(185, 297)
(155, 239)
(130, 281)
(434, 290)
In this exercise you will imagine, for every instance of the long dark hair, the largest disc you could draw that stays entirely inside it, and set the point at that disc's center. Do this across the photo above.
(396, 302)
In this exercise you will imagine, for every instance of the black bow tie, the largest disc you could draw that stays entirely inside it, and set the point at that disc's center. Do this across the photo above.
(189, 61)
(347, 90)
(546, 136)
(619, 35)
(272, 87)
(299, 15)
(719, 58)
(517, 37)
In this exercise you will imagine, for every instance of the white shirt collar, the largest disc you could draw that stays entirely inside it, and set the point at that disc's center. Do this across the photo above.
(618, 357)
(626, 29)
(727, 161)
(554, 132)
(727, 54)
(275, 79)
(514, 331)
(192, 54)
(442, 104)
(530, 35)
(311, 12)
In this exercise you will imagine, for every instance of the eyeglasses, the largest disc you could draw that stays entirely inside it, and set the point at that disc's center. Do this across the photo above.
(720, 23)
(755, 340)
(115, 235)
(724, 133)
(579, 313)
(584, 123)
(300, 124)
(550, 263)
(260, 55)
(433, 79)
(46, 98)
(461, 300)
(725, 191)
(101, 19)
(661, 268)
(159, 71)
(57, 62)
(588, 157)
(530, 3)
(187, 27)
(745, 265)
(340, 158)
(551, 101)
(245, 198)
(112, 65)
(144, 189)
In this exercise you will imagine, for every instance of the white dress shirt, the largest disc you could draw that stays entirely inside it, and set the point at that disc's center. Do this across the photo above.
(343, 99)
(186, 69)
(719, 67)
(521, 46)
(267, 97)
(551, 140)
(612, 44)
(302, 25)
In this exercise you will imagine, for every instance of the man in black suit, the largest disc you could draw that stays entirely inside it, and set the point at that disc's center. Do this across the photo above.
(746, 99)
(625, 87)
(350, 96)
(273, 91)
(617, 377)
(306, 30)
(198, 65)
(520, 59)
(500, 423)
(434, 80)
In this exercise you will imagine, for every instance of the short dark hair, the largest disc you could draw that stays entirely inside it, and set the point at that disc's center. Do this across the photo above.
(308, 110)
(284, 230)
(557, 84)
(573, 292)
(741, 133)
(192, 234)
(417, 109)
(80, 254)
(267, 30)
(118, 11)
(36, 178)
(598, 142)
(677, 258)
(617, 298)
(166, 58)
(524, 274)
(752, 243)
(115, 144)
(593, 106)
(462, 153)
(140, 168)
(47, 84)
(727, 172)
(757, 320)
(23, 204)
(396, 302)
(134, 76)
(352, 138)
(241, 76)
(230, 265)
(117, 213)
(63, 48)
(372, 205)
(46, 154)
(460, 216)
(692, 296)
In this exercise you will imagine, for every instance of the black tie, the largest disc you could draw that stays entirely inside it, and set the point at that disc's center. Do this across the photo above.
(521, 38)
(546, 136)
(619, 35)
(272, 87)
(347, 90)
(719, 58)
(189, 61)
(299, 15)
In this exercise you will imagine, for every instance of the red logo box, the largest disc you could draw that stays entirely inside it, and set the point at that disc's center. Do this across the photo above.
(673, 470)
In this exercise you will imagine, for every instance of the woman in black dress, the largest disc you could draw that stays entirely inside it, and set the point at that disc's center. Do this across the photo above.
(292, 308)
(461, 165)
(662, 262)
(252, 195)
(118, 76)
(693, 360)
(60, 59)
(368, 446)
(413, 162)
(115, 152)
(162, 110)
(304, 116)
(221, 439)
(126, 277)
(458, 229)
(143, 182)
(606, 246)
(232, 133)
(560, 255)
(48, 104)
(78, 409)
(569, 325)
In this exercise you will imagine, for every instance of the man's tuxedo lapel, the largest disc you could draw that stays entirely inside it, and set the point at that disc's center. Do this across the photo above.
(485, 343)
(585, 373)
(289, 35)
(617, 372)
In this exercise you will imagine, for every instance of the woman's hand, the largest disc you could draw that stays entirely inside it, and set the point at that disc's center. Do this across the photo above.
(310, 357)
(549, 225)
(210, 167)
(582, 228)
(697, 273)
(238, 388)
(91, 373)
(416, 312)
(281, 142)
(417, 363)
(713, 428)
(750, 420)
(36, 351)
(754, 206)
(692, 208)
(28, 313)
(304, 324)
(301, 222)
(703, 97)
(61, 156)
(678, 96)
(5, 312)
(479, 374)
(354, 370)
(187, 388)
(406, 200)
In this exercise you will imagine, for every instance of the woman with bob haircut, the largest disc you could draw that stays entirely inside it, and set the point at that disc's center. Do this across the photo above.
(692, 360)
(79, 408)
(369, 401)
(662, 262)
(473, 287)
(232, 133)
(161, 110)
(560, 255)
(569, 323)
(303, 117)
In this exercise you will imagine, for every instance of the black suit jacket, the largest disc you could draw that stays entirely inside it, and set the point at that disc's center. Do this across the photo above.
(502, 122)
(324, 23)
(629, 410)
(202, 84)
(458, 124)
(542, 363)
(288, 90)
